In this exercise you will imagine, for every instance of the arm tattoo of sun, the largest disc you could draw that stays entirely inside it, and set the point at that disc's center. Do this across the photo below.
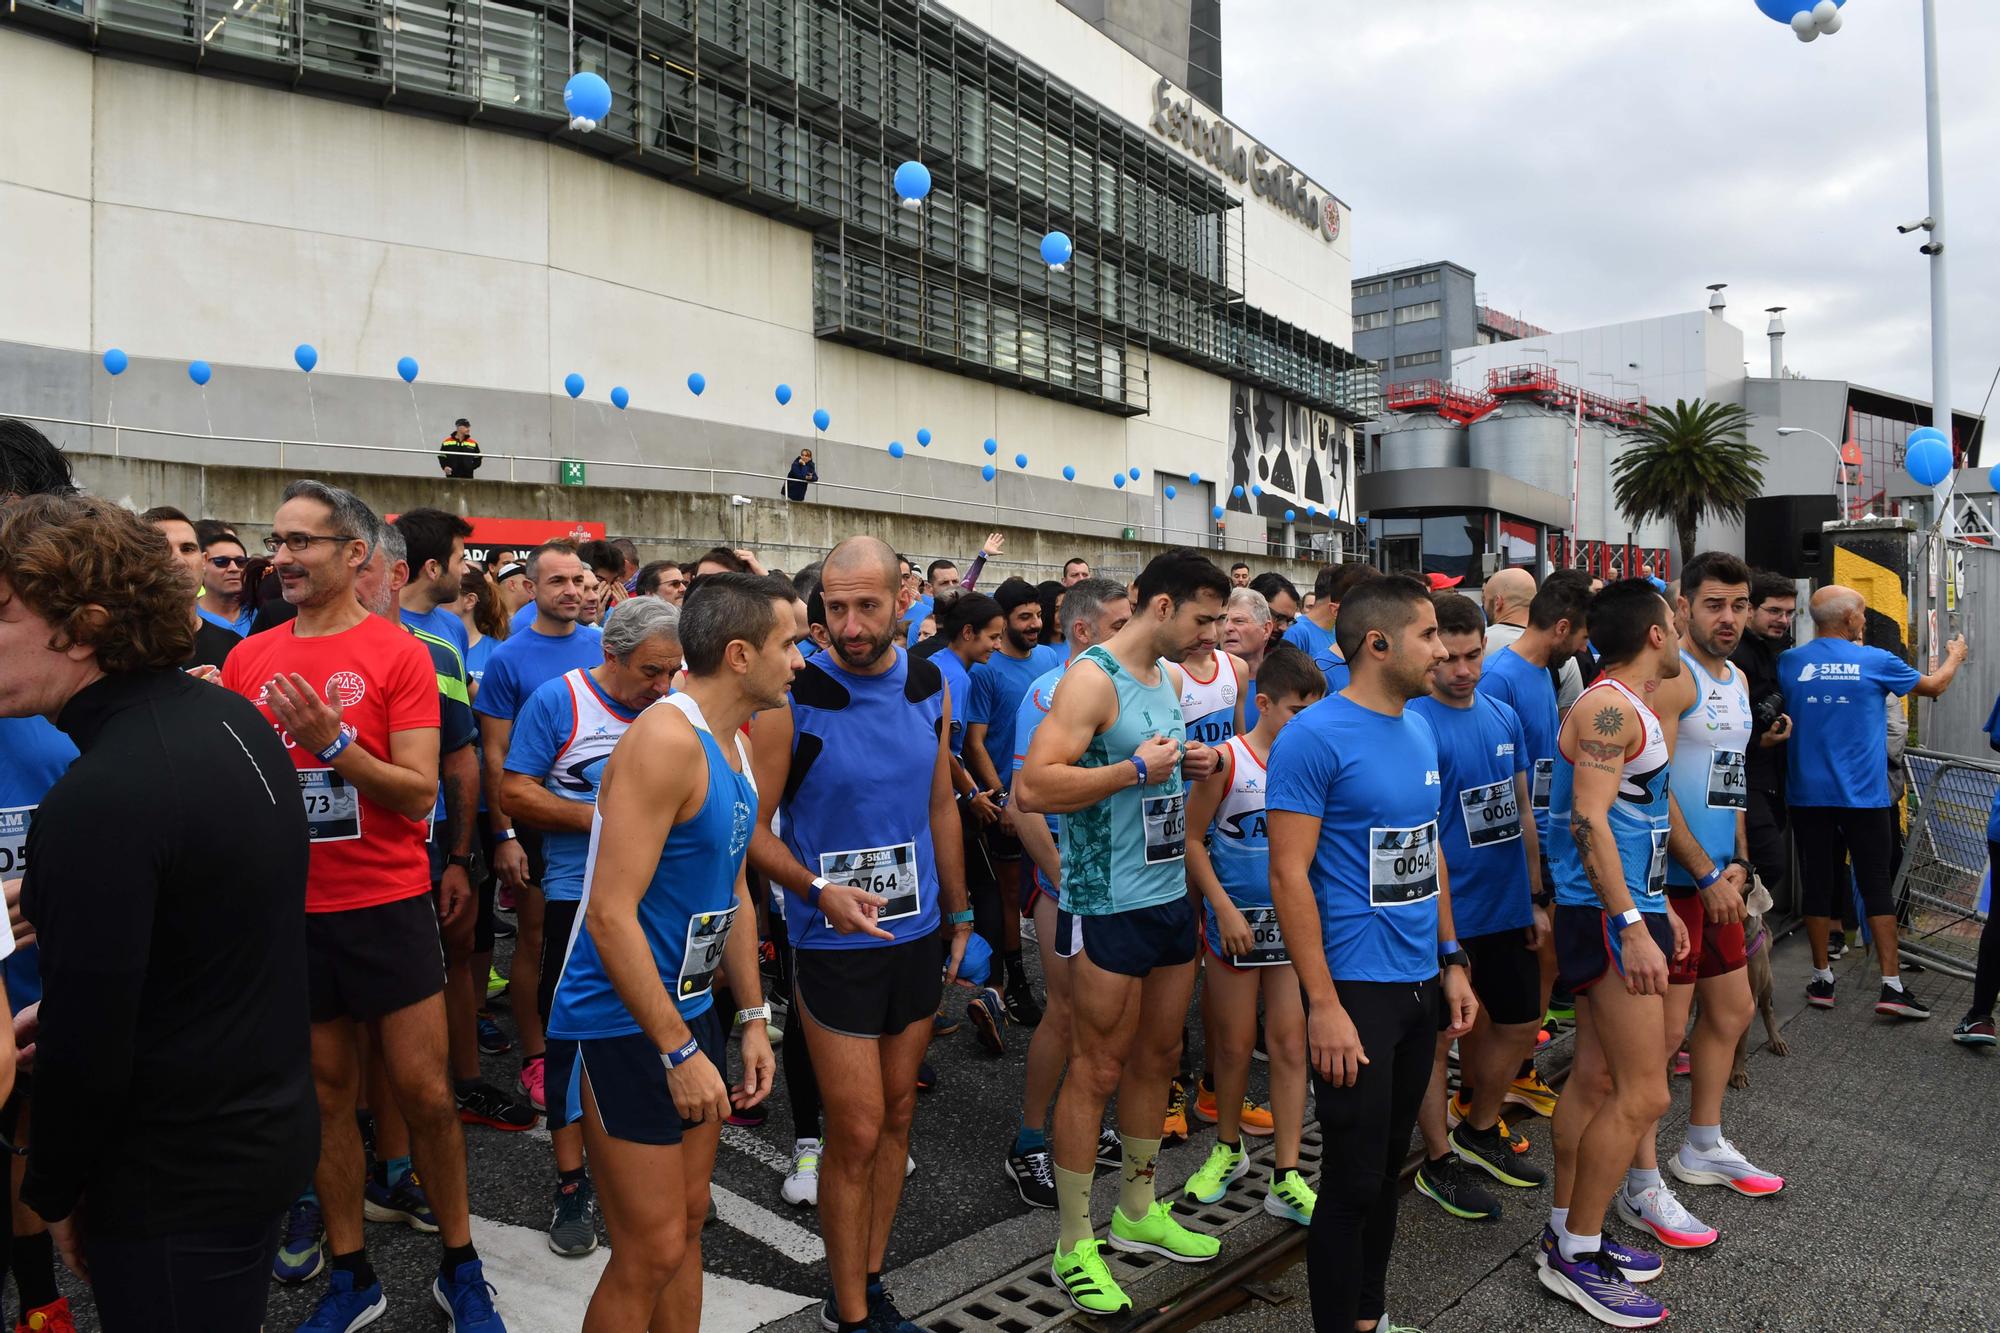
(1608, 721)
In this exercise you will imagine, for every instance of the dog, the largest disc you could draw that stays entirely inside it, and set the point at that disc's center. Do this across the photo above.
(1757, 949)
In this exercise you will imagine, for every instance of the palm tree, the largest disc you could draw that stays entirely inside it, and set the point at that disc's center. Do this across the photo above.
(1687, 463)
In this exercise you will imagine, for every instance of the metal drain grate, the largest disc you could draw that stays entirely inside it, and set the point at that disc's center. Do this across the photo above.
(1028, 1299)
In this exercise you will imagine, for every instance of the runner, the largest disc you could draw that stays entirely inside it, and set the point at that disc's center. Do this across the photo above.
(1246, 957)
(1246, 633)
(1354, 801)
(537, 652)
(1312, 632)
(1282, 598)
(1494, 858)
(556, 755)
(1773, 604)
(876, 861)
(1708, 876)
(356, 701)
(212, 642)
(1837, 781)
(1126, 922)
(638, 1051)
(222, 601)
(1616, 939)
(1327, 655)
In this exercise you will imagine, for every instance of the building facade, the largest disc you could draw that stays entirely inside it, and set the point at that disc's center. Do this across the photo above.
(1182, 39)
(1413, 321)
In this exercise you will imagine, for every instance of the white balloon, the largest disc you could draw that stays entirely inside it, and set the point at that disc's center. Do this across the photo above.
(1831, 23)
(1805, 25)
(1824, 11)
(1807, 33)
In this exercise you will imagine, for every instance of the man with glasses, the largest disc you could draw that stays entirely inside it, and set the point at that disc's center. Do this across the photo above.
(664, 579)
(222, 594)
(1282, 597)
(355, 700)
(1774, 601)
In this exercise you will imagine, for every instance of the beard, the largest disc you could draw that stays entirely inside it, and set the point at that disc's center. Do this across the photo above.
(874, 653)
(1020, 642)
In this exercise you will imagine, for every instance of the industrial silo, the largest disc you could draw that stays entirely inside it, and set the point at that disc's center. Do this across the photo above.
(1526, 442)
(1418, 439)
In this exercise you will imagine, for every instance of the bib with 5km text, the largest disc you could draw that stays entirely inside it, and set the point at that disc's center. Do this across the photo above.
(1492, 814)
(1402, 865)
(333, 809)
(888, 871)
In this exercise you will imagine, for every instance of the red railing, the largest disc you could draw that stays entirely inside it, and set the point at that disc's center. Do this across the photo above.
(1541, 384)
(1610, 561)
(1449, 401)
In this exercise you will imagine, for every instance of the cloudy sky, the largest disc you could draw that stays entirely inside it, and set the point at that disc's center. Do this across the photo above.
(1599, 160)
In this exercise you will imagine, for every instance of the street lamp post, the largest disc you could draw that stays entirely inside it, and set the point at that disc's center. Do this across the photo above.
(1846, 502)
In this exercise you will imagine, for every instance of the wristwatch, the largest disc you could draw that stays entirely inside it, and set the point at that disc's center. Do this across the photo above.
(1454, 957)
(1630, 917)
(762, 1011)
(463, 860)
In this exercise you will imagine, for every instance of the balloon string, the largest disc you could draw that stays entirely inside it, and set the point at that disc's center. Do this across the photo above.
(209, 416)
(416, 412)
(312, 406)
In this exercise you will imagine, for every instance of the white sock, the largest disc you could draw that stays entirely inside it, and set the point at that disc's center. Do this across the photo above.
(1894, 983)
(1575, 1247)
(1639, 1179)
(1822, 974)
(1559, 1221)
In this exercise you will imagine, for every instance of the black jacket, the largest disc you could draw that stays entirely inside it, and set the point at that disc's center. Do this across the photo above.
(173, 1075)
(1757, 658)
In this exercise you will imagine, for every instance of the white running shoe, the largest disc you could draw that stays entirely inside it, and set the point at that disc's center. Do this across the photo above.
(1723, 1165)
(802, 1186)
(909, 1166)
(1655, 1209)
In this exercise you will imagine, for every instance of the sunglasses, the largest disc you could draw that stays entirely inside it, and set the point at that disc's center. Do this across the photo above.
(229, 561)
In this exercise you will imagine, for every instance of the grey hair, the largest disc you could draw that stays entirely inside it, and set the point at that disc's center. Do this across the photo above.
(351, 514)
(1252, 601)
(394, 545)
(636, 620)
(1085, 599)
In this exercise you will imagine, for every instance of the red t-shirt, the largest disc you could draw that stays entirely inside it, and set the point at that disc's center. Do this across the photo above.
(363, 854)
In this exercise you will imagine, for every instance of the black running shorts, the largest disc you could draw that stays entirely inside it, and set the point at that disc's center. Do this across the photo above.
(371, 961)
(871, 991)
(1587, 947)
(1135, 942)
(628, 1081)
(1506, 976)
(558, 919)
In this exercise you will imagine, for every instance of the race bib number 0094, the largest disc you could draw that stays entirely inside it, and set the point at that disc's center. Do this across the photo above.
(707, 936)
(1402, 865)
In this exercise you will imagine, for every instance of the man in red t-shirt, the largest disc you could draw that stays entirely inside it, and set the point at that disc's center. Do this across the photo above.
(355, 700)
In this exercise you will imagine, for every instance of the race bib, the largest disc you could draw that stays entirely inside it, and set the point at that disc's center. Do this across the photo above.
(1656, 869)
(1538, 790)
(1267, 941)
(1166, 827)
(1728, 786)
(707, 933)
(14, 840)
(889, 871)
(1402, 865)
(333, 809)
(1492, 814)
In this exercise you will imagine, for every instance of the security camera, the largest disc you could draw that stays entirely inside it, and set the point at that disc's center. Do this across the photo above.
(1931, 248)
(1925, 225)
(739, 500)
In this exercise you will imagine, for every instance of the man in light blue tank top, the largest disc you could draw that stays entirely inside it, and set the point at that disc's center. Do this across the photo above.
(1109, 758)
(859, 770)
(637, 1052)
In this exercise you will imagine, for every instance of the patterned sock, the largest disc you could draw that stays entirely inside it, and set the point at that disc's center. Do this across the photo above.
(1135, 1193)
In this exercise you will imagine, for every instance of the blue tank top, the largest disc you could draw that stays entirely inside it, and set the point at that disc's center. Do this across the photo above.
(686, 911)
(1708, 777)
(1130, 849)
(1239, 845)
(1638, 818)
(857, 805)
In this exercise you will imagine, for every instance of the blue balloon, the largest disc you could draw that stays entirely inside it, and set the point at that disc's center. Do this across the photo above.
(696, 383)
(1238, 492)
(1217, 512)
(115, 361)
(407, 368)
(895, 448)
(1257, 490)
(1170, 491)
(1927, 459)
(1118, 480)
(821, 418)
(991, 446)
(988, 473)
(913, 182)
(573, 384)
(1782, 10)
(620, 396)
(1290, 514)
(1362, 520)
(1020, 460)
(587, 98)
(784, 394)
(1069, 473)
(1993, 477)
(1925, 433)
(924, 436)
(199, 372)
(1194, 478)
(1056, 249)
(307, 356)
(1133, 474)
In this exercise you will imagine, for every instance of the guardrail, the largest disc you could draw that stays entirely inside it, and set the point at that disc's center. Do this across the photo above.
(1945, 859)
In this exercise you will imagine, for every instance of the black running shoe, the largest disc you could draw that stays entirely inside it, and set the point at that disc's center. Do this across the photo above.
(1836, 946)
(503, 929)
(484, 1104)
(1495, 1156)
(1447, 1183)
(926, 1077)
(1894, 1003)
(1975, 1030)
(492, 1041)
(986, 1015)
(1033, 1174)
(1819, 994)
(1110, 1148)
(1020, 1004)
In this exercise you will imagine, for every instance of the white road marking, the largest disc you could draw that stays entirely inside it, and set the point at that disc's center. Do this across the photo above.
(540, 1289)
(781, 1234)
(743, 1141)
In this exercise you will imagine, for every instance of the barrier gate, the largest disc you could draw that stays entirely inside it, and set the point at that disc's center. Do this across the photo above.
(1942, 886)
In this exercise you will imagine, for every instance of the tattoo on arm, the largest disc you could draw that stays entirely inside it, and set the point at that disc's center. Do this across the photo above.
(1608, 721)
(1579, 828)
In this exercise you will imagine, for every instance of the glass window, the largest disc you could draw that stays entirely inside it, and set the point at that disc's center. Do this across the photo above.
(1410, 314)
(1407, 360)
(1362, 289)
(1378, 319)
(1410, 280)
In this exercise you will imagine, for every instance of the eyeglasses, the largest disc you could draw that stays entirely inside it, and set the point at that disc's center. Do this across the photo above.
(299, 542)
(229, 561)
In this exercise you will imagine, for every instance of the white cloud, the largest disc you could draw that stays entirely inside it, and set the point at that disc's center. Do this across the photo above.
(1599, 160)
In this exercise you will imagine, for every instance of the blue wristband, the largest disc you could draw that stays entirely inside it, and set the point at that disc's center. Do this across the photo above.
(812, 892)
(1139, 764)
(340, 742)
(960, 918)
(1706, 880)
(675, 1059)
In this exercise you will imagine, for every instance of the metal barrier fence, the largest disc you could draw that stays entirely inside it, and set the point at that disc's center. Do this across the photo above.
(1955, 589)
(1945, 859)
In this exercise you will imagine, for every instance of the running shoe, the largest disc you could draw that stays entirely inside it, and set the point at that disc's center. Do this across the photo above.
(1084, 1276)
(926, 1076)
(1020, 1004)
(1489, 1152)
(1531, 1091)
(1159, 1233)
(530, 1082)
(1175, 1130)
(1974, 1030)
(802, 1185)
(1256, 1120)
(467, 1297)
(1901, 1003)
(343, 1309)
(1542, 1039)
(503, 930)
(1819, 994)
(1634, 1265)
(496, 984)
(1456, 1108)
(987, 1013)
(1033, 1174)
(1562, 1008)
(302, 1246)
(944, 1024)
(1224, 1167)
(885, 1317)
(1722, 1165)
(503, 899)
(492, 1041)
(1451, 1187)
(1836, 946)
(1290, 1197)
(1658, 1211)
(55, 1317)
(1594, 1285)
(748, 1117)
(484, 1104)
(1110, 1148)
(1682, 1067)
(404, 1201)
(573, 1221)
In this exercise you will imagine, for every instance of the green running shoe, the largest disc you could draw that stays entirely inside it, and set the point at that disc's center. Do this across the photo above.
(1290, 1197)
(1158, 1233)
(1224, 1167)
(1083, 1275)
(496, 985)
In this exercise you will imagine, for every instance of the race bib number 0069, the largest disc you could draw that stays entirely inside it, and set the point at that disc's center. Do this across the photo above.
(1402, 865)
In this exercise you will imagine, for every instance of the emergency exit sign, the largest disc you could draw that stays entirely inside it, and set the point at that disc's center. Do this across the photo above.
(571, 472)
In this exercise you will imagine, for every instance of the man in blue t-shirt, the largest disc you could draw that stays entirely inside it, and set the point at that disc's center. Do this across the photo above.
(1313, 632)
(537, 653)
(1837, 780)
(1364, 903)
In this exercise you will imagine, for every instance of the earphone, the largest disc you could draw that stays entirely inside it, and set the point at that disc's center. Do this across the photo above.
(1378, 643)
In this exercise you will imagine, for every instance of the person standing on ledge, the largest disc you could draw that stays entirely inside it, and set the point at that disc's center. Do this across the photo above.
(459, 454)
(803, 474)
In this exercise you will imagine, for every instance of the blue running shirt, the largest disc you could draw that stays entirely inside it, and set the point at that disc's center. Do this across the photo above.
(1481, 750)
(562, 740)
(1130, 849)
(959, 681)
(1638, 817)
(1334, 667)
(1839, 751)
(1526, 688)
(1710, 783)
(997, 686)
(33, 754)
(1035, 706)
(529, 660)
